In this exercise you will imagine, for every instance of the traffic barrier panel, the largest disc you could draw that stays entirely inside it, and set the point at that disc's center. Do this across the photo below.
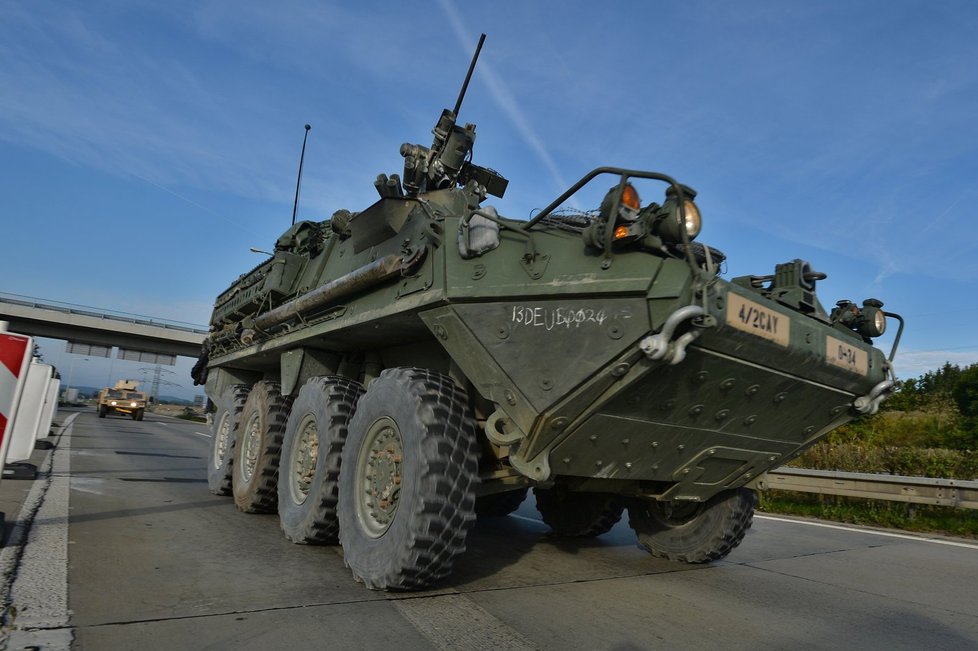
(23, 434)
(50, 406)
(15, 358)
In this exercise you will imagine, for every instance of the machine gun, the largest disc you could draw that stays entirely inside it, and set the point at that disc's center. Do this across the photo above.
(448, 161)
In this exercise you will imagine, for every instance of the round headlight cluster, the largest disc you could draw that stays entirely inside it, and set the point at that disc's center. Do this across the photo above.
(873, 321)
(670, 222)
(869, 322)
(655, 226)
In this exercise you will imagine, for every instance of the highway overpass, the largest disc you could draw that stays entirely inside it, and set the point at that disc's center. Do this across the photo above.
(82, 325)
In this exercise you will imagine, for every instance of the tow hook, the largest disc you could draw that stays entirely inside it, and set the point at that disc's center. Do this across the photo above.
(870, 403)
(662, 345)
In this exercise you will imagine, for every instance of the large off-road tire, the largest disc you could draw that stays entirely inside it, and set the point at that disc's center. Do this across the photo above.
(139, 414)
(580, 515)
(407, 480)
(102, 411)
(693, 532)
(224, 433)
(498, 505)
(308, 477)
(256, 453)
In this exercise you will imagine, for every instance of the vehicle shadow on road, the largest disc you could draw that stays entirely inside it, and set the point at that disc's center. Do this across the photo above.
(519, 551)
(492, 545)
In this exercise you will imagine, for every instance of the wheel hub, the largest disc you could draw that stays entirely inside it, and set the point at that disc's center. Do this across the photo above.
(252, 447)
(223, 434)
(675, 513)
(379, 474)
(305, 454)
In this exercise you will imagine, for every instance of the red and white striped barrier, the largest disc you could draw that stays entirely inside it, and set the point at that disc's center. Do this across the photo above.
(16, 352)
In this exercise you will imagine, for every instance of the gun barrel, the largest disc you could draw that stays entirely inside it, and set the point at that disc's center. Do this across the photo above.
(468, 75)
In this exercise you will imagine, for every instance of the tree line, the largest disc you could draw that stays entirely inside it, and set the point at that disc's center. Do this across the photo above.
(939, 409)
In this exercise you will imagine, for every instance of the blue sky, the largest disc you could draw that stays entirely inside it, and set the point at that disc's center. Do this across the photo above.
(145, 146)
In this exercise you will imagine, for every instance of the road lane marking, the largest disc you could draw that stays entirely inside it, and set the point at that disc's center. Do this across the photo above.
(827, 525)
(526, 519)
(455, 621)
(206, 436)
(872, 532)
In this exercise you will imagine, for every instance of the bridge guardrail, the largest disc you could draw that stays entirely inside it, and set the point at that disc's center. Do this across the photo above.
(915, 490)
(66, 308)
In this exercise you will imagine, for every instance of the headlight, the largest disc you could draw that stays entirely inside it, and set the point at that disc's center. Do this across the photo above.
(873, 322)
(132, 404)
(869, 322)
(880, 320)
(112, 402)
(669, 227)
(668, 221)
(693, 220)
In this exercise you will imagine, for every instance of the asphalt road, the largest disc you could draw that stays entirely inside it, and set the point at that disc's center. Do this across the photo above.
(126, 549)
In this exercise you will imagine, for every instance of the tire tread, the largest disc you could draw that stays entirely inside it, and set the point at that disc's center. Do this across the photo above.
(260, 495)
(446, 511)
(321, 525)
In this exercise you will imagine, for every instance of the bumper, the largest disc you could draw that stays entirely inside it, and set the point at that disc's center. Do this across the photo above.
(710, 423)
(124, 410)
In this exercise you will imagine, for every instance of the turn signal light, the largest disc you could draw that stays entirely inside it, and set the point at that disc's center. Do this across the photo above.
(629, 197)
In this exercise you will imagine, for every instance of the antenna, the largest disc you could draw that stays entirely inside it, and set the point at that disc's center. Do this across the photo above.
(302, 156)
(468, 75)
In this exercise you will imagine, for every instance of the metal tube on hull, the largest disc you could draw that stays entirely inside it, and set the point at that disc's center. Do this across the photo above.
(357, 280)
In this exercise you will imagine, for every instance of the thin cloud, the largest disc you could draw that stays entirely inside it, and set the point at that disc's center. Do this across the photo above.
(916, 363)
(94, 103)
(504, 98)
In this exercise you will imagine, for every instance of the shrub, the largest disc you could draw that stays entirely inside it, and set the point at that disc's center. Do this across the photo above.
(893, 460)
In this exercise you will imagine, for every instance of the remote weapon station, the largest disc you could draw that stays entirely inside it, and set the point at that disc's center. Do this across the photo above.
(387, 375)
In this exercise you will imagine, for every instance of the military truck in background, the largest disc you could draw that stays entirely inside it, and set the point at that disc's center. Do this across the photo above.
(124, 398)
(388, 375)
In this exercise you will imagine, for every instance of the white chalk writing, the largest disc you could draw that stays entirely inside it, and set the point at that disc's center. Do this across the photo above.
(550, 318)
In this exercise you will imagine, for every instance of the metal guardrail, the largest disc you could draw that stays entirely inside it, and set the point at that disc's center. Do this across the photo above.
(111, 315)
(915, 490)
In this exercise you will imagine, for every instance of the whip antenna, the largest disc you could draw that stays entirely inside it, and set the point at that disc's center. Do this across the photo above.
(302, 156)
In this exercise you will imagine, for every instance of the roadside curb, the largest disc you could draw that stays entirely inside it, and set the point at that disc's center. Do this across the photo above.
(12, 554)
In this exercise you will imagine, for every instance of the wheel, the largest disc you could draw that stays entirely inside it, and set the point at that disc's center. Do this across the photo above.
(254, 480)
(102, 410)
(498, 505)
(581, 515)
(308, 479)
(407, 480)
(139, 414)
(694, 532)
(224, 432)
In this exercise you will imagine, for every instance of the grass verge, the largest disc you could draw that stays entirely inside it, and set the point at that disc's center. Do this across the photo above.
(893, 515)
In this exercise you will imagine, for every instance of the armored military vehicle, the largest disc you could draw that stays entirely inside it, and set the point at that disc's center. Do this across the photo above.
(124, 398)
(387, 375)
